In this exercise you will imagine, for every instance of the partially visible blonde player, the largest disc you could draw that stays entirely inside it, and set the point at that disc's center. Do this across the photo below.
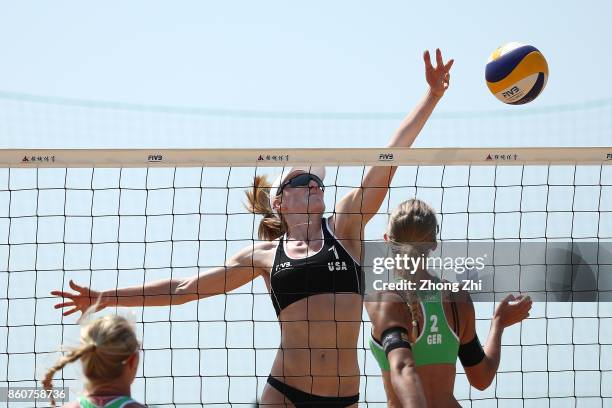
(109, 354)
(428, 330)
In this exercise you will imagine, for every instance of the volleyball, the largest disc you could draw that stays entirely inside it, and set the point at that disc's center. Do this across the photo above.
(516, 73)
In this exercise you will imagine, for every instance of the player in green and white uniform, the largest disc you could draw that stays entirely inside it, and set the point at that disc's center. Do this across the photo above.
(430, 329)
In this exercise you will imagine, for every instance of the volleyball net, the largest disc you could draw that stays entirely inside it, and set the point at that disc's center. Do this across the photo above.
(116, 218)
(31, 121)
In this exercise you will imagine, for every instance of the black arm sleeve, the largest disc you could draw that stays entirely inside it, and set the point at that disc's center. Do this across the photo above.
(395, 337)
(471, 353)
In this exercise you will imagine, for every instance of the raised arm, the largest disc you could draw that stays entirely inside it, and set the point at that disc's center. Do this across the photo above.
(241, 268)
(390, 319)
(365, 201)
(481, 364)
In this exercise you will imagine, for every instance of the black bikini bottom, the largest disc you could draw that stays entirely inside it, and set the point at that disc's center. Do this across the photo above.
(302, 399)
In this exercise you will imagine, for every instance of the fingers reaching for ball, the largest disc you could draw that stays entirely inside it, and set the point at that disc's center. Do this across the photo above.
(438, 77)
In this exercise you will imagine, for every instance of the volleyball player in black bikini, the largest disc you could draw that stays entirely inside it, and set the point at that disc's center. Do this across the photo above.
(310, 266)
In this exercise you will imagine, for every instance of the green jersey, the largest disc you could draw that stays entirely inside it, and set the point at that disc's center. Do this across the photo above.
(437, 342)
(118, 402)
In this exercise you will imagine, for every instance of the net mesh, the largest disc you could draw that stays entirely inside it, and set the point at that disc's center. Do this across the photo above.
(117, 227)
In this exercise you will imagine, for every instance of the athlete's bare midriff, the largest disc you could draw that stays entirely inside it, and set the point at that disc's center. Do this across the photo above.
(318, 344)
(318, 347)
(438, 382)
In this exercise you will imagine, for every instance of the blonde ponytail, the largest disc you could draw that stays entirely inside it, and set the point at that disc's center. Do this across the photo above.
(413, 307)
(412, 230)
(271, 226)
(70, 357)
(106, 343)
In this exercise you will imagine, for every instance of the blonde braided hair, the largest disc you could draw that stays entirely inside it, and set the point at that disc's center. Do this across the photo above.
(412, 231)
(105, 345)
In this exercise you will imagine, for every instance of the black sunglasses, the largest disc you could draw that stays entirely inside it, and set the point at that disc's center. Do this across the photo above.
(302, 180)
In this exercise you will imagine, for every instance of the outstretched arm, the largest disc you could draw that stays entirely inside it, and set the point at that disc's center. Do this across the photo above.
(367, 199)
(438, 79)
(390, 318)
(511, 310)
(238, 270)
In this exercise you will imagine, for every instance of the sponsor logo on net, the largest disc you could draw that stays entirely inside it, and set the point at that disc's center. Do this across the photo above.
(38, 159)
(273, 157)
(502, 157)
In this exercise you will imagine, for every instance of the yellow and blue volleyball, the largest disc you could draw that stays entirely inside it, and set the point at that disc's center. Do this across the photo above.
(516, 73)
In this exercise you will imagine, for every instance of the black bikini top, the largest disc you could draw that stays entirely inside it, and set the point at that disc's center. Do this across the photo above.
(331, 270)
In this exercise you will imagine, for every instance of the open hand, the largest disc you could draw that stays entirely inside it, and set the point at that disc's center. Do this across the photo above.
(512, 310)
(438, 78)
(79, 301)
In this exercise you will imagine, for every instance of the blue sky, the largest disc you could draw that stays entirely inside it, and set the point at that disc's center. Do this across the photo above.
(315, 57)
(331, 56)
